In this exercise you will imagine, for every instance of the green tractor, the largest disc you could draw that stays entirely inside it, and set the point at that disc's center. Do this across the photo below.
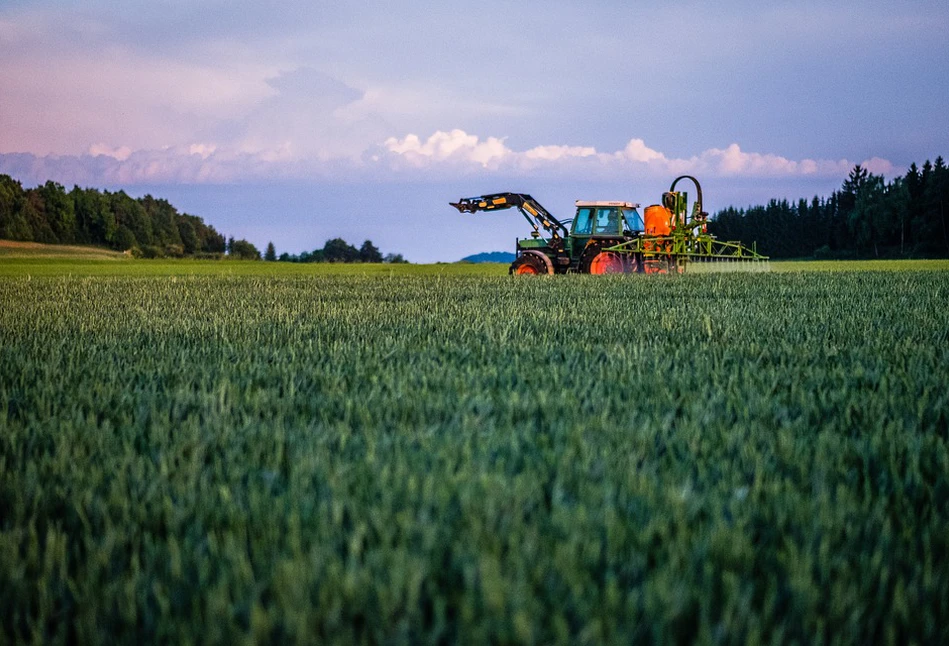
(612, 237)
(578, 249)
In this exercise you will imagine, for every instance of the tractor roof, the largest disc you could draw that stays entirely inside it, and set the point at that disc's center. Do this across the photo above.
(623, 205)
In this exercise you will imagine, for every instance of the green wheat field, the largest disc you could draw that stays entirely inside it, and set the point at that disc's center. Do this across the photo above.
(224, 452)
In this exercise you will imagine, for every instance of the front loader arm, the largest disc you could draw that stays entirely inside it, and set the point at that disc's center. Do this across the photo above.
(533, 212)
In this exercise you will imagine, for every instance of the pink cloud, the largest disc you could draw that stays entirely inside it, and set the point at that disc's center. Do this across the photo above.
(443, 154)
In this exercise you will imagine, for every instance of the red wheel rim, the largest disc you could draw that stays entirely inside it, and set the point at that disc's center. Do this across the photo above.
(607, 263)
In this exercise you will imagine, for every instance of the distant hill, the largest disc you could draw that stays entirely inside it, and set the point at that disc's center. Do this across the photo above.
(490, 256)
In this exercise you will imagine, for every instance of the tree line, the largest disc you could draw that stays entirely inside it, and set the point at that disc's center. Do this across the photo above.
(145, 226)
(337, 250)
(867, 218)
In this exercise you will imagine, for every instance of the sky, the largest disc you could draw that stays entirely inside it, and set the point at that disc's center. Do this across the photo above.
(300, 121)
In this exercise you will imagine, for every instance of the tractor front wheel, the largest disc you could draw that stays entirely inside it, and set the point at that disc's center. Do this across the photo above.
(529, 264)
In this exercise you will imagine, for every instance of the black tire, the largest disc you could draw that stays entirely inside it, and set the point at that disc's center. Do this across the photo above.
(587, 258)
(530, 264)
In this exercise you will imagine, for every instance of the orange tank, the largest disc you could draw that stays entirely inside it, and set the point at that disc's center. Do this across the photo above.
(658, 220)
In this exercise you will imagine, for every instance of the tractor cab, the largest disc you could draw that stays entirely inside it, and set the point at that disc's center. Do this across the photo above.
(606, 219)
(599, 224)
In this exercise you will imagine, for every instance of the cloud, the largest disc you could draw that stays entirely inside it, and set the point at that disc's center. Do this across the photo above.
(460, 148)
(122, 153)
(879, 166)
(441, 155)
(194, 164)
(311, 116)
(316, 88)
(456, 145)
(733, 161)
(637, 150)
(202, 150)
(554, 153)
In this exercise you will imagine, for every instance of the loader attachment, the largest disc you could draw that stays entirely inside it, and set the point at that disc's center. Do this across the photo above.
(464, 206)
(535, 214)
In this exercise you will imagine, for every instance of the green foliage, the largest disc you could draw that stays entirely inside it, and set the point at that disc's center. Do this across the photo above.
(34, 213)
(368, 252)
(95, 220)
(48, 214)
(271, 254)
(13, 223)
(59, 211)
(124, 239)
(749, 458)
(868, 217)
(151, 251)
(394, 259)
(242, 250)
(338, 250)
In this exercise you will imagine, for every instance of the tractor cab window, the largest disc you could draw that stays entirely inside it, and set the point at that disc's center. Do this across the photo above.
(607, 221)
(583, 223)
(634, 221)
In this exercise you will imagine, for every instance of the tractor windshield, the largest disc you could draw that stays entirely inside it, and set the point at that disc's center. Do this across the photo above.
(607, 221)
(583, 223)
(634, 221)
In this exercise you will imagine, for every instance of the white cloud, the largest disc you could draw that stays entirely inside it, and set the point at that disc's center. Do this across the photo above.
(733, 161)
(121, 153)
(444, 154)
(202, 150)
(637, 150)
(459, 147)
(553, 153)
(456, 145)
(879, 166)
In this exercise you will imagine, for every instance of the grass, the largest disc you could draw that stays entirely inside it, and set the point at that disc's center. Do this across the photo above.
(10, 249)
(32, 259)
(859, 265)
(265, 452)
(166, 268)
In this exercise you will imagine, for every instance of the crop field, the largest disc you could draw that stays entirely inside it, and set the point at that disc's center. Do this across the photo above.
(227, 452)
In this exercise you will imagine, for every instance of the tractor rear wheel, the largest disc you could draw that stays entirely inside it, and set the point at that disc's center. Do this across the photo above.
(529, 264)
(608, 262)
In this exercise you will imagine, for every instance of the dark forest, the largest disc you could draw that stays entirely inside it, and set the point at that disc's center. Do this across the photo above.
(867, 218)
